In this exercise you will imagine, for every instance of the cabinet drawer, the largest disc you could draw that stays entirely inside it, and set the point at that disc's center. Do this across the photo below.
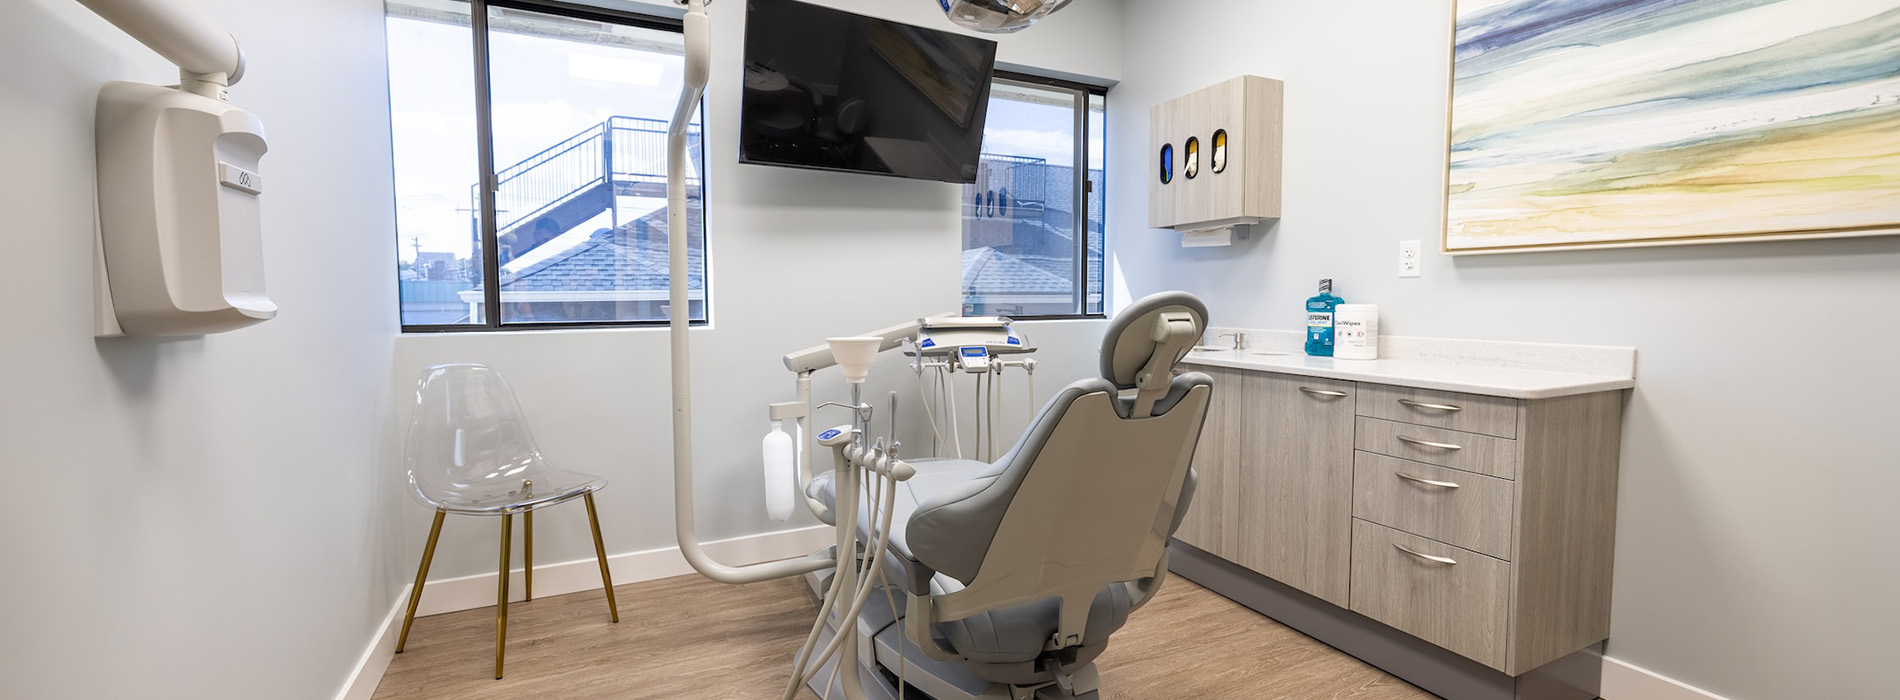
(1470, 452)
(1471, 413)
(1459, 508)
(1457, 601)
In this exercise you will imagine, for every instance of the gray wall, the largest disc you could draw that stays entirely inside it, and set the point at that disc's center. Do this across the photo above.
(1757, 526)
(199, 517)
(797, 256)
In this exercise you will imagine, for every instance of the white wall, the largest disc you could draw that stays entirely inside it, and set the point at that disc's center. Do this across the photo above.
(201, 517)
(1757, 527)
(797, 256)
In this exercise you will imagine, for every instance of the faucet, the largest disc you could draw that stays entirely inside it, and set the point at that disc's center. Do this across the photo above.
(1240, 339)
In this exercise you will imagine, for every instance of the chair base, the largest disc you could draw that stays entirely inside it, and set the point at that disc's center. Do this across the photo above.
(880, 638)
(501, 586)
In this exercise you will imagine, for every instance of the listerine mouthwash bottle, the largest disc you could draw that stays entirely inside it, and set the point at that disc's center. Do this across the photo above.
(1319, 320)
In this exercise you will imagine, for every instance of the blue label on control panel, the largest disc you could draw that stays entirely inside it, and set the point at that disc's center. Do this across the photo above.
(1013, 340)
(829, 434)
(928, 343)
(975, 352)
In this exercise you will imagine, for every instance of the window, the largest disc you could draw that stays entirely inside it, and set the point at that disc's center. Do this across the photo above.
(1032, 222)
(565, 110)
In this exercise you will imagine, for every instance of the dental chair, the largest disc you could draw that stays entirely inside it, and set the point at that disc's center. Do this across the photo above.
(1016, 573)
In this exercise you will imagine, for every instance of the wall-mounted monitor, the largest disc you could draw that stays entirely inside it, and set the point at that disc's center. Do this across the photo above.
(831, 90)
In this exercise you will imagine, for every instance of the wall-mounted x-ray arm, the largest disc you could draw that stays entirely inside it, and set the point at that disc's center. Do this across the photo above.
(180, 218)
(208, 58)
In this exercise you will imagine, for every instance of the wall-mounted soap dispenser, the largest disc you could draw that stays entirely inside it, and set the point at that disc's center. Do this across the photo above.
(180, 245)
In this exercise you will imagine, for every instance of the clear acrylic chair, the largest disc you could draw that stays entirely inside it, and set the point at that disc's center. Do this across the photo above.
(470, 453)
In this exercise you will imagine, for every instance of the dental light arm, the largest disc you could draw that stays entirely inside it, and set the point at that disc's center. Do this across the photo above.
(698, 56)
(208, 58)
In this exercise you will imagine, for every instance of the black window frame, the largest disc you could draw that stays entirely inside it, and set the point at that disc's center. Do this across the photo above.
(485, 147)
(1083, 188)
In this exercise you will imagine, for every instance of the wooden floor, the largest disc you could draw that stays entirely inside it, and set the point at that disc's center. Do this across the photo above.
(688, 637)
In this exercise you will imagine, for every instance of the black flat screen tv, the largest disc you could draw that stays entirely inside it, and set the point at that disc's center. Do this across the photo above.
(831, 90)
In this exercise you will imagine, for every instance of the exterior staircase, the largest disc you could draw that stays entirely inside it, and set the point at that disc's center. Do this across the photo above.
(580, 177)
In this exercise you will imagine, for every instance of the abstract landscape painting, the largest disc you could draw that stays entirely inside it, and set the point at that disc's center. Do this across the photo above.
(1582, 123)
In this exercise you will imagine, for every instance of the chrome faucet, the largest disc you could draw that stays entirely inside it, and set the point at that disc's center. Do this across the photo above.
(1240, 339)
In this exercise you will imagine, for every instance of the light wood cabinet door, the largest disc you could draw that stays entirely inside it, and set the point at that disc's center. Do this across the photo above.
(1295, 482)
(1209, 524)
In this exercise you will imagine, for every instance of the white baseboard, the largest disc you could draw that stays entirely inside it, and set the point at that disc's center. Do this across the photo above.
(478, 591)
(369, 669)
(1623, 681)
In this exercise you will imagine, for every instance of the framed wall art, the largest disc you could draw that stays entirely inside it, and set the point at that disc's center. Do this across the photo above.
(1596, 123)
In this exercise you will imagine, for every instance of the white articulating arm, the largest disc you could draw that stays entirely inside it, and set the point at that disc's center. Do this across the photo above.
(208, 58)
(819, 357)
(698, 55)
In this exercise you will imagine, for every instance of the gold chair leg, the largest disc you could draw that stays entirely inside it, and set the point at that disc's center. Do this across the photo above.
(422, 574)
(600, 554)
(501, 594)
(527, 556)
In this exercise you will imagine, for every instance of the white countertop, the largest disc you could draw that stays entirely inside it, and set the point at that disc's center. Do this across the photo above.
(1470, 379)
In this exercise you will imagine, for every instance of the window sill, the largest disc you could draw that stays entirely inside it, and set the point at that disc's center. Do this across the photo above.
(548, 327)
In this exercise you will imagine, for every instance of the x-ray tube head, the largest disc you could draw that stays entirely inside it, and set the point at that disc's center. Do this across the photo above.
(999, 16)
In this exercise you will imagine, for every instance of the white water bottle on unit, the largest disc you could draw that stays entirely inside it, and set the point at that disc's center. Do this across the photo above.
(1356, 332)
(779, 456)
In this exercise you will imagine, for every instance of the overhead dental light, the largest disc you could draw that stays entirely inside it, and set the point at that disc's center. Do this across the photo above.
(999, 16)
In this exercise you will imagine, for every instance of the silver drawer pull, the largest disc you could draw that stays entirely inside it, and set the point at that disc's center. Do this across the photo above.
(1428, 443)
(1433, 406)
(1422, 555)
(1427, 482)
(1323, 392)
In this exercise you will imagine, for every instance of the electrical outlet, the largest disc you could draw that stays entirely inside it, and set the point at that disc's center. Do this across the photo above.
(1409, 258)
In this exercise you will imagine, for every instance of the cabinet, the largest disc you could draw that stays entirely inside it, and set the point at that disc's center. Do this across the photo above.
(1275, 495)
(1483, 525)
(1215, 156)
(1295, 482)
(1534, 501)
(1216, 464)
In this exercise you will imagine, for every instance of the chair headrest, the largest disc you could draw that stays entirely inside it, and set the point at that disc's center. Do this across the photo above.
(1141, 330)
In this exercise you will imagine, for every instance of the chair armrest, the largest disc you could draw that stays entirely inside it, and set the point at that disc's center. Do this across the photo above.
(915, 575)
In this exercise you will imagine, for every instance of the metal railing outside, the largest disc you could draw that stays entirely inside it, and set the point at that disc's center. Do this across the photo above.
(621, 149)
